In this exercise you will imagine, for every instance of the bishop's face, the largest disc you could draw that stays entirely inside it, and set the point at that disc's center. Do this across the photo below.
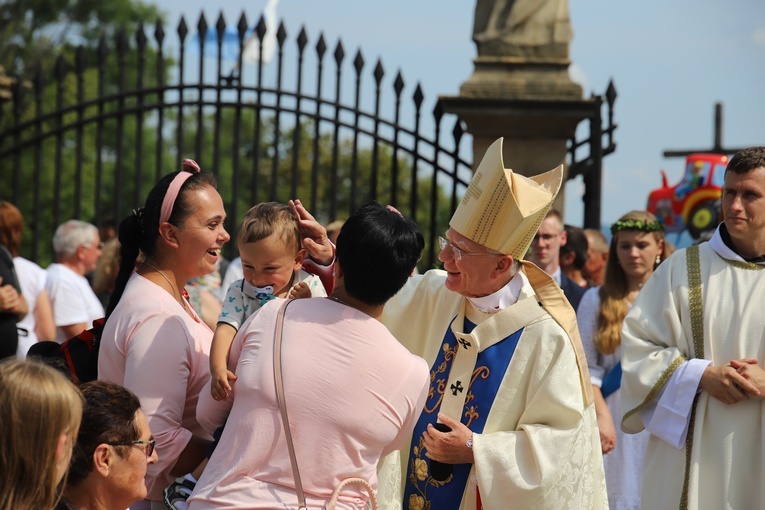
(470, 267)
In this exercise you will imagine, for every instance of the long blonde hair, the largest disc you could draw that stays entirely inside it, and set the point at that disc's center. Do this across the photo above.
(613, 305)
(38, 405)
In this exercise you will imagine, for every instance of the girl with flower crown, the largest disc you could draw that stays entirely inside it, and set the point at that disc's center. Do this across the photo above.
(637, 248)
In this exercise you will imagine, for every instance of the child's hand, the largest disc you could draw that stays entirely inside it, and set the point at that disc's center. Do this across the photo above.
(220, 388)
(300, 291)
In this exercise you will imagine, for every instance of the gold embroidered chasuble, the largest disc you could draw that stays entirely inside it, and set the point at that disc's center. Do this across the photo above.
(723, 460)
(540, 447)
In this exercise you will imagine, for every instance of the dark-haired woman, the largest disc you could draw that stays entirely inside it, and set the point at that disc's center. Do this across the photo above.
(113, 449)
(354, 393)
(154, 343)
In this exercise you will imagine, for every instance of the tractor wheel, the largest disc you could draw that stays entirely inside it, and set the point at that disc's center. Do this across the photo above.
(704, 218)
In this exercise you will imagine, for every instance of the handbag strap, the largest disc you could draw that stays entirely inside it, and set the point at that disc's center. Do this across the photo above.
(279, 384)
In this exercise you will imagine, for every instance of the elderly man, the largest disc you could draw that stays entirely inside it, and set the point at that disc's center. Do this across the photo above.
(75, 305)
(692, 355)
(597, 254)
(508, 375)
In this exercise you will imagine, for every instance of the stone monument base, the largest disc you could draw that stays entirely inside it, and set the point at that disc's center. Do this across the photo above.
(533, 104)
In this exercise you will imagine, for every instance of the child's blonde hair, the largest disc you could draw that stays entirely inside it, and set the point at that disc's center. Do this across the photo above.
(269, 218)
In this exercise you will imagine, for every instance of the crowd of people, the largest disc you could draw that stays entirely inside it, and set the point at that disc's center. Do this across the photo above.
(543, 367)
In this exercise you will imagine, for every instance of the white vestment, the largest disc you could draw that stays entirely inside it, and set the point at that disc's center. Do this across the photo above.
(720, 464)
(539, 448)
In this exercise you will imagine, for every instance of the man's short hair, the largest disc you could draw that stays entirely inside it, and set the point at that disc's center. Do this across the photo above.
(377, 249)
(747, 160)
(596, 240)
(72, 234)
(576, 244)
(554, 213)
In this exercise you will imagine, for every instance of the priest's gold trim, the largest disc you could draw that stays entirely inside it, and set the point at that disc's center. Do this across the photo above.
(744, 265)
(688, 455)
(656, 387)
(695, 300)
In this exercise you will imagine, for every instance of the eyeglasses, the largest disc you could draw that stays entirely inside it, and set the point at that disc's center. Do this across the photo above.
(459, 253)
(147, 446)
(545, 237)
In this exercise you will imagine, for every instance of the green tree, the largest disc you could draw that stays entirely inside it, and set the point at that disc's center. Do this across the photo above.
(34, 31)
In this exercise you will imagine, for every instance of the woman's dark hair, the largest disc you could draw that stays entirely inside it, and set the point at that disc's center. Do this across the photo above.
(139, 231)
(576, 243)
(377, 250)
(107, 417)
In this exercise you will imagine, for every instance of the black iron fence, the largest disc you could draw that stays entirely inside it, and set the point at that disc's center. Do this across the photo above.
(89, 138)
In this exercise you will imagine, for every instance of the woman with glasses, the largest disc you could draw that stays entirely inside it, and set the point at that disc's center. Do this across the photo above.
(113, 450)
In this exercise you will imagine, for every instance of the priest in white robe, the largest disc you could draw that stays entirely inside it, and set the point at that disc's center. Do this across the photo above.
(508, 372)
(693, 347)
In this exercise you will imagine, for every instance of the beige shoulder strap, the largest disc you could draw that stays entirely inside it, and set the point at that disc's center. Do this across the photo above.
(554, 301)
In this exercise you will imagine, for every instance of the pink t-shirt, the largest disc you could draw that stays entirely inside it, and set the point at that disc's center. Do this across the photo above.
(353, 393)
(154, 348)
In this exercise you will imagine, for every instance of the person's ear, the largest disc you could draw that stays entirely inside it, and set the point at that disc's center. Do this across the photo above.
(103, 458)
(61, 445)
(563, 238)
(503, 266)
(299, 258)
(338, 271)
(169, 233)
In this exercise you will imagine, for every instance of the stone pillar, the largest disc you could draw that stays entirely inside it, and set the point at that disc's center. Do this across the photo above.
(520, 88)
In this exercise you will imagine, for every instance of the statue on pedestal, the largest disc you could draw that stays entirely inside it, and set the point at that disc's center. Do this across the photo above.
(533, 29)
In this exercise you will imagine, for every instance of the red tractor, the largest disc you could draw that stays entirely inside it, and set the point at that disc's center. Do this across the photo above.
(694, 202)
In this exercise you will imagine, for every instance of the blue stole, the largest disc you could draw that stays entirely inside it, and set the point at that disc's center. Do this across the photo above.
(487, 377)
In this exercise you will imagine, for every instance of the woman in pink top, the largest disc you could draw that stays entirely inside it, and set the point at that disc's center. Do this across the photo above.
(353, 392)
(153, 342)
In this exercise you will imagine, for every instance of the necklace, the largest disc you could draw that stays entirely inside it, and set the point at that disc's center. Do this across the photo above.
(338, 300)
(333, 298)
(172, 286)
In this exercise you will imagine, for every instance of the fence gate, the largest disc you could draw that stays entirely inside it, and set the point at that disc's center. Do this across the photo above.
(89, 138)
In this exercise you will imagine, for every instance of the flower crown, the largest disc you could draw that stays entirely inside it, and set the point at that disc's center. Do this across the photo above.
(641, 225)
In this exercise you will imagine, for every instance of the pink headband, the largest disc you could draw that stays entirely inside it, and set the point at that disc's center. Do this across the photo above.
(190, 167)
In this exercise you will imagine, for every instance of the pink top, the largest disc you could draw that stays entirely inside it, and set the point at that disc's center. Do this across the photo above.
(353, 393)
(154, 348)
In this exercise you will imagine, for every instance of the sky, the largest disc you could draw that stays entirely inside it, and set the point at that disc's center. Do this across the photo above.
(670, 62)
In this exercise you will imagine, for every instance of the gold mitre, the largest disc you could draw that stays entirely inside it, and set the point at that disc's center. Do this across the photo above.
(502, 210)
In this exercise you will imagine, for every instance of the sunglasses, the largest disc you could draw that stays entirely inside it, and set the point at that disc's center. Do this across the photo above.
(148, 446)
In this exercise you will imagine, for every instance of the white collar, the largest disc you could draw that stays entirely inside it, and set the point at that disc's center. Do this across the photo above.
(718, 245)
(504, 297)
(556, 275)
